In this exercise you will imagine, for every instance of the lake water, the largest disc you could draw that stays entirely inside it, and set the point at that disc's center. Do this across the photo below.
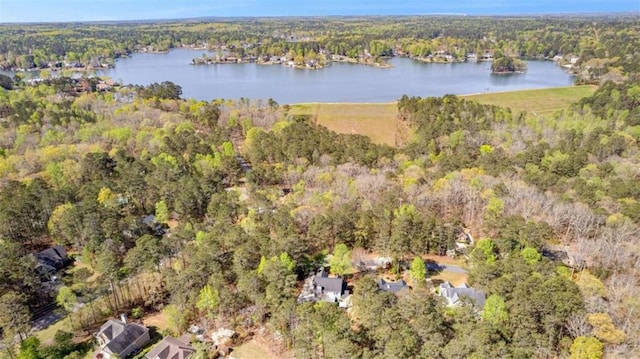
(339, 82)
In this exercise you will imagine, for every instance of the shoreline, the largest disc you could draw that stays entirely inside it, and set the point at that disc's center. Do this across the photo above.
(385, 65)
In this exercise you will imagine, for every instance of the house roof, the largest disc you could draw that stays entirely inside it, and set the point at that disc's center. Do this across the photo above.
(54, 256)
(170, 348)
(118, 335)
(393, 287)
(335, 284)
(453, 294)
(149, 220)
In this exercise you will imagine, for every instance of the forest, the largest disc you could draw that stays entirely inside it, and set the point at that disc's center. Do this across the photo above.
(605, 46)
(216, 213)
(248, 200)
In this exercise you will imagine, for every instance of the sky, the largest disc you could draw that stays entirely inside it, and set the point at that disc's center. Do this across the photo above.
(109, 10)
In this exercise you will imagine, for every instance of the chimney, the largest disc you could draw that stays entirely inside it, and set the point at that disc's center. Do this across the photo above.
(123, 317)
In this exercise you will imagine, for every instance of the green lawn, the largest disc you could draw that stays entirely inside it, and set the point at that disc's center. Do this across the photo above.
(536, 102)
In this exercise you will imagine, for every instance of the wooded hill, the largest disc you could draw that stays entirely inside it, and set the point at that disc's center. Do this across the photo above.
(83, 170)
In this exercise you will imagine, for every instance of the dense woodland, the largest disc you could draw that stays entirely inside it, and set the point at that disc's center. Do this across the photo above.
(82, 170)
(250, 199)
(607, 46)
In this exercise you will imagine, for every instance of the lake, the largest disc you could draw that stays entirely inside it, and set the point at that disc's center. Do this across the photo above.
(339, 82)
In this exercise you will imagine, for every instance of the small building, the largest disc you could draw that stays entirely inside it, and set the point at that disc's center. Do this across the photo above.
(171, 348)
(393, 287)
(117, 338)
(455, 295)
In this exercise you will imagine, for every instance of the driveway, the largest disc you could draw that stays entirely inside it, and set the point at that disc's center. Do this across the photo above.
(445, 268)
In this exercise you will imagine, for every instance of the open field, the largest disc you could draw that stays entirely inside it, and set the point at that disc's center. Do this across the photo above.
(256, 349)
(535, 102)
(377, 120)
(251, 350)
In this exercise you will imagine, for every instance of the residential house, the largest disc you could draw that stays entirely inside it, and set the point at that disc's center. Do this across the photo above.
(455, 295)
(393, 287)
(117, 338)
(171, 348)
(157, 228)
(487, 56)
(55, 257)
(50, 261)
(321, 287)
(372, 264)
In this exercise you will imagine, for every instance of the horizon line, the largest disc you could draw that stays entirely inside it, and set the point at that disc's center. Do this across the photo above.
(239, 17)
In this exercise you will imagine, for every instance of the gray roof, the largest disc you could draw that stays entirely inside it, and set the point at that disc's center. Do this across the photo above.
(454, 294)
(149, 220)
(170, 348)
(119, 336)
(336, 284)
(55, 257)
(393, 287)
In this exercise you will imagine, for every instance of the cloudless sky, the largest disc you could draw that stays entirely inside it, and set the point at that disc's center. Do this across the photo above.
(98, 10)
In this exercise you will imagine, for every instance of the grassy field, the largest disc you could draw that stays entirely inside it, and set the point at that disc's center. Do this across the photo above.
(377, 120)
(535, 102)
(251, 350)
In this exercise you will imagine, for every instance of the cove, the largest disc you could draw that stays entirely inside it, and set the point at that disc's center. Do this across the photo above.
(339, 82)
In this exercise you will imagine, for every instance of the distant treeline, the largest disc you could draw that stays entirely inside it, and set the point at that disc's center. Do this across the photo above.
(605, 46)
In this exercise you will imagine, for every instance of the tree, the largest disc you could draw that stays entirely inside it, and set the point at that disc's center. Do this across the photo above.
(604, 329)
(65, 224)
(484, 251)
(163, 90)
(16, 269)
(176, 317)
(531, 255)
(208, 301)
(418, 269)
(586, 348)
(147, 254)
(340, 262)
(30, 349)
(67, 300)
(14, 315)
(495, 310)
(6, 82)
(162, 212)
